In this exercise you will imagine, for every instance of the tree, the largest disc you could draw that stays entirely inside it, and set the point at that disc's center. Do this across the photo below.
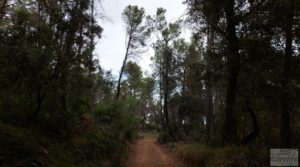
(164, 59)
(223, 18)
(49, 50)
(288, 28)
(134, 77)
(136, 35)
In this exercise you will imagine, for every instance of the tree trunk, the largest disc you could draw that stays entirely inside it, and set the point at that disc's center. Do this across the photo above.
(166, 88)
(40, 98)
(285, 95)
(230, 122)
(184, 81)
(209, 100)
(161, 101)
(254, 133)
(209, 111)
(123, 66)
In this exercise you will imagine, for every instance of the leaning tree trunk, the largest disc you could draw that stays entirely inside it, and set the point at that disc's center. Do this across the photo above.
(123, 66)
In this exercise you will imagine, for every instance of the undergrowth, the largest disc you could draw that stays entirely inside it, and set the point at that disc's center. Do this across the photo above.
(101, 142)
(198, 155)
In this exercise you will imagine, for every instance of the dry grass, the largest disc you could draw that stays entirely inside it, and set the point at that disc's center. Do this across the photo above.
(197, 155)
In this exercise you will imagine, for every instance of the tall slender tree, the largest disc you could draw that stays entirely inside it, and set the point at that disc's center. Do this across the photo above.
(166, 34)
(136, 35)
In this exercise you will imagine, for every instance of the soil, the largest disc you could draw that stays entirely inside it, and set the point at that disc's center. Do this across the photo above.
(146, 153)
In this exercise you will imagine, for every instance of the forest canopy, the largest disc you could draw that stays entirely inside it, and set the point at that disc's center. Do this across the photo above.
(235, 82)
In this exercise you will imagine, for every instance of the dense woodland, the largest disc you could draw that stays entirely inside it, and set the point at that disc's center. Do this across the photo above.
(235, 84)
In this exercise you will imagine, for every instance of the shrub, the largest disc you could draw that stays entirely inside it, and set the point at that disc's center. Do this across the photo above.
(103, 143)
(117, 120)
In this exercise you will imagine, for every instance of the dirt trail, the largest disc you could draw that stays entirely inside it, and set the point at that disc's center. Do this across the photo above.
(146, 153)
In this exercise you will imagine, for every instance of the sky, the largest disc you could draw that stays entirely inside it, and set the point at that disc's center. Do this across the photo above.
(110, 49)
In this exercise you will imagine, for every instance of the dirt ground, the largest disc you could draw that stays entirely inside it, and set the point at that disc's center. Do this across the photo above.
(146, 153)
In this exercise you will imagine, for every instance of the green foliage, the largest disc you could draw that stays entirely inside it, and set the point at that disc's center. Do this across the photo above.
(48, 68)
(133, 16)
(163, 137)
(134, 77)
(117, 120)
(138, 33)
(21, 147)
(174, 133)
(228, 84)
(102, 145)
(50, 86)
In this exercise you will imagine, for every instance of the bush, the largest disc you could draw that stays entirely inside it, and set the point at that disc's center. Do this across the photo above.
(117, 120)
(103, 143)
(25, 148)
(163, 137)
(167, 137)
(21, 148)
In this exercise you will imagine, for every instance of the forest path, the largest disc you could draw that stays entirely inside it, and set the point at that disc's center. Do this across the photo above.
(146, 153)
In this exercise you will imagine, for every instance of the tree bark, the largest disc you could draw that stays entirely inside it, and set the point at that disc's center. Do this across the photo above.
(123, 66)
(209, 100)
(209, 111)
(161, 100)
(166, 88)
(230, 122)
(285, 94)
(40, 96)
(254, 133)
